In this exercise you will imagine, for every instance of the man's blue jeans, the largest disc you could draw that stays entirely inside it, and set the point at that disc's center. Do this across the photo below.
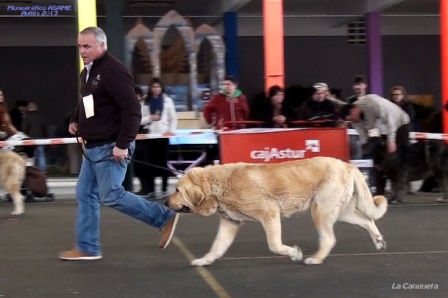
(102, 182)
(40, 158)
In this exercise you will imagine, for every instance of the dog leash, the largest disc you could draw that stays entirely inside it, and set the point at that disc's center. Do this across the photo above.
(177, 172)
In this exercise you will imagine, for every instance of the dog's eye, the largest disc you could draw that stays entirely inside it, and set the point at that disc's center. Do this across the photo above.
(177, 189)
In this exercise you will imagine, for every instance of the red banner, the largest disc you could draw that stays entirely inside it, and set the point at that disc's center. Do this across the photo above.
(274, 146)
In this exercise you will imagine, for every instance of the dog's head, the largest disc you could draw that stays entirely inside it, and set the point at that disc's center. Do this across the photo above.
(191, 194)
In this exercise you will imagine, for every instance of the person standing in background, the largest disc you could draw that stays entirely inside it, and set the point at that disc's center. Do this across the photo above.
(18, 113)
(158, 117)
(7, 129)
(229, 104)
(35, 127)
(398, 95)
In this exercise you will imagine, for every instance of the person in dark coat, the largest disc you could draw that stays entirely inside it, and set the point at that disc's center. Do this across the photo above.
(18, 113)
(274, 111)
(35, 127)
(318, 107)
(108, 119)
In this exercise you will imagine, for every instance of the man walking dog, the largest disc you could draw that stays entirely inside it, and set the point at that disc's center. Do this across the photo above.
(107, 118)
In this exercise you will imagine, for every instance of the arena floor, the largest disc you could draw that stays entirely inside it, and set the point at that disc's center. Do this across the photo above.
(133, 265)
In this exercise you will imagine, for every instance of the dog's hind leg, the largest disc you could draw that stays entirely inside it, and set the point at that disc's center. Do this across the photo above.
(354, 218)
(273, 229)
(324, 222)
(13, 185)
(227, 232)
(19, 205)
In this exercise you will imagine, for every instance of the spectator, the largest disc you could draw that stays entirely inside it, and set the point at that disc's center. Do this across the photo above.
(35, 127)
(398, 95)
(274, 111)
(333, 97)
(140, 152)
(318, 107)
(7, 129)
(229, 104)
(158, 117)
(18, 113)
(359, 87)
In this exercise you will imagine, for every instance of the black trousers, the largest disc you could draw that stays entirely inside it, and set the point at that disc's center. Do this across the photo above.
(153, 152)
(402, 140)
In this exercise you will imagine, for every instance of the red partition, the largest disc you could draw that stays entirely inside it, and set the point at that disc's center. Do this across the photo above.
(279, 145)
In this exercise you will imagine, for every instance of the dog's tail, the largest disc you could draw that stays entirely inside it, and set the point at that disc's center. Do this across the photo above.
(372, 207)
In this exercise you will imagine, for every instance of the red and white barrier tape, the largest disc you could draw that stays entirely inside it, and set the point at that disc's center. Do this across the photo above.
(414, 135)
(189, 133)
(61, 141)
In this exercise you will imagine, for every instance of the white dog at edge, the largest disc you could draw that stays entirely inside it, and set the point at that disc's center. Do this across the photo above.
(332, 189)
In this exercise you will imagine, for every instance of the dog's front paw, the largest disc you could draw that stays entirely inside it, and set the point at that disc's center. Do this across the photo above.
(17, 212)
(297, 254)
(380, 244)
(312, 261)
(201, 262)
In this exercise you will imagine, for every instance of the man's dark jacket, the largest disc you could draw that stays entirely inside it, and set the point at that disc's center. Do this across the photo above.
(116, 107)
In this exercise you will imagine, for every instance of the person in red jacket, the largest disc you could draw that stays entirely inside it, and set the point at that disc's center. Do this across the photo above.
(229, 104)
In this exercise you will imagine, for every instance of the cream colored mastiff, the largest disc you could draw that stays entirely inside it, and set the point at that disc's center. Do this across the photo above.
(12, 174)
(335, 191)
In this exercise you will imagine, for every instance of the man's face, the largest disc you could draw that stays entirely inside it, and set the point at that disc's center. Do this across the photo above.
(278, 98)
(319, 95)
(89, 50)
(354, 116)
(23, 109)
(360, 89)
(229, 87)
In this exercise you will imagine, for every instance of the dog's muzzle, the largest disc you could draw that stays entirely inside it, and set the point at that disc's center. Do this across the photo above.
(184, 209)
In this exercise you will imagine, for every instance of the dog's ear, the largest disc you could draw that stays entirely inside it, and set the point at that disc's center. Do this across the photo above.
(204, 204)
(196, 175)
(194, 191)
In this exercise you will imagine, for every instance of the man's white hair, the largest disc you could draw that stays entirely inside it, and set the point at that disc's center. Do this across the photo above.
(99, 34)
(321, 87)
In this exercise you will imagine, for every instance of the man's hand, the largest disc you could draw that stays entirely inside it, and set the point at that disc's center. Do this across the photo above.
(280, 119)
(73, 128)
(155, 117)
(119, 154)
(391, 146)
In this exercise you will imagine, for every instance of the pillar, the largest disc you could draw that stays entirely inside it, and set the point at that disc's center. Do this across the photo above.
(86, 16)
(444, 60)
(231, 40)
(114, 28)
(374, 53)
(273, 27)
